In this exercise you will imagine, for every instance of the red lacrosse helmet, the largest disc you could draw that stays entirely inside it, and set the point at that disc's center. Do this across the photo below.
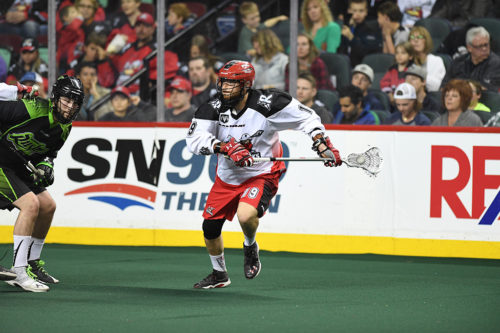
(238, 71)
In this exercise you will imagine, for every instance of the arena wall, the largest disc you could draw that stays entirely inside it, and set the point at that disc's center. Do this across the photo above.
(438, 193)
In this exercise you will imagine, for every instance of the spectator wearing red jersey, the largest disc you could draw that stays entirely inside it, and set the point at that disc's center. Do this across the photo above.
(130, 60)
(395, 74)
(93, 51)
(70, 36)
(123, 26)
(22, 19)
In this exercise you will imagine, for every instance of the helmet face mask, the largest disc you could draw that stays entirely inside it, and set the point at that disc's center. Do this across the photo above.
(239, 76)
(67, 98)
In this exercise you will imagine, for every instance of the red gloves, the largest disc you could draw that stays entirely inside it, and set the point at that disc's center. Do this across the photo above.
(323, 146)
(26, 91)
(237, 152)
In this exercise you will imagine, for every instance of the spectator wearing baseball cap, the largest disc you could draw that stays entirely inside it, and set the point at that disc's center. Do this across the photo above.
(405, 98)
(180, 98)
(362, 77)
(30, 79)
(416, 76)
(131, 59)
(29, 61)
(128, 108)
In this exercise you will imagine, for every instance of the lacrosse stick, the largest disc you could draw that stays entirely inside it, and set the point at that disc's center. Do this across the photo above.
(370, 160)
(27, 163)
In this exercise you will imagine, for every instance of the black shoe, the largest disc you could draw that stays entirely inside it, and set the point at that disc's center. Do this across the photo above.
(6, 274)
(40, 272)
(252, 264)
(216, 279)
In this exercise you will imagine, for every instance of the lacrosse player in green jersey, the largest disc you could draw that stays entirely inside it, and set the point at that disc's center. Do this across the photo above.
(32, 130)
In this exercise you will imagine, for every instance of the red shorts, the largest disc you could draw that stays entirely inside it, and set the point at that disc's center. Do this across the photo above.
(223, 199)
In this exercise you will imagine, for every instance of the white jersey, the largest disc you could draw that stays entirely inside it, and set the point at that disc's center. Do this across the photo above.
(256, 127)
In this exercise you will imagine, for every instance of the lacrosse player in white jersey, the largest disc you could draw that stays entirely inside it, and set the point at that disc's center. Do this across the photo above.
(238, 124)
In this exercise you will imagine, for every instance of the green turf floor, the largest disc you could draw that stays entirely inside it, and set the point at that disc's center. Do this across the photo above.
(149, 289)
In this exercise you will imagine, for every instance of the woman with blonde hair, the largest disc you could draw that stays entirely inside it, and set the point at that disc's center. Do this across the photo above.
(270, 60)
(421, 40)
(318, 22)
(309, 60)
(456, 97)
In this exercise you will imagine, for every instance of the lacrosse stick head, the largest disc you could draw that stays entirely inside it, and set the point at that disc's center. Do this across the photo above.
(370, 161)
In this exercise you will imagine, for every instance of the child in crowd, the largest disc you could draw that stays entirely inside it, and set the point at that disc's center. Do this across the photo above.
(70, 37)
(395, 74)
(476, 95)
(250, 16)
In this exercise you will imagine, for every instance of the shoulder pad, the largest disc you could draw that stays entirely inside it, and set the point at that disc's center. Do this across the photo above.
(209, 110)
(268, 101)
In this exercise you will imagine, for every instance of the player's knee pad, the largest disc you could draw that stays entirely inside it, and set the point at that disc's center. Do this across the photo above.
(212, 228)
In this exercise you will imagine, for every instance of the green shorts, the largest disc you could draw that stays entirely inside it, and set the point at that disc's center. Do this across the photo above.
(12, 187)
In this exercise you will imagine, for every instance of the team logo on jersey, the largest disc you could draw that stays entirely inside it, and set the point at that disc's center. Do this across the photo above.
(216, 104)
(210, 210)
(224, 118)
(27, 143)
(305, 109)
(265, 101)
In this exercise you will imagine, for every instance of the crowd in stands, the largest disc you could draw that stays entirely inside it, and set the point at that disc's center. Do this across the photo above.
(428, 62)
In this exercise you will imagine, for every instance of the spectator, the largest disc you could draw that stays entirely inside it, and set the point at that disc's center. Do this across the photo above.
(421, 41)
(270, 61)
(395, 74)
(199, 48)
(180, 97)
(199, 75)
(19, 20)
(454, 44)
(362, 77)
(476, 96)
(178, 19)
(93, 17)
(130, 60)
(250, 16)
(393, 33)
(29, 61)
(31, 79)
(416, 76)
(358, 37)
(352, 112)
(479, 64)
(318, 22)
(408, 106)
(309, 60)
(122, 25)
(414, 10)
(456, 97)
(93, 51)
(70, 37)
(306, 93)
(128, 108)
(87, 73)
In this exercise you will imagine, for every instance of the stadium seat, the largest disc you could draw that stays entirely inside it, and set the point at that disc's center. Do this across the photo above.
(44, 54)
(339, 68)
(379, 62)
(491, 99)
(377, 76)
(382, 116)
(382, 97)
(446, 59)
(282, 30)
(484, 115)
(6, 55)
(437, 96)
(493, 27)
(437, 27)
(430, 114)
(226, 56)
(11, 40)
(328, 97)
